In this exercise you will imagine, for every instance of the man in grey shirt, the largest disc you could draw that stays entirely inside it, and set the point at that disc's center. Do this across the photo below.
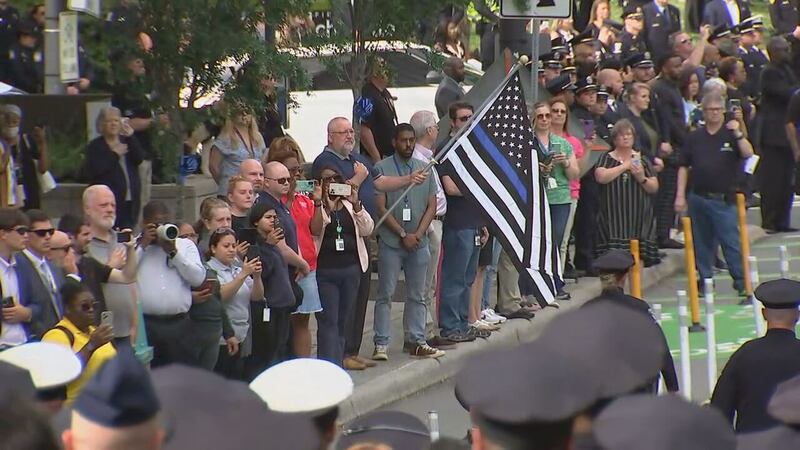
(450, 89)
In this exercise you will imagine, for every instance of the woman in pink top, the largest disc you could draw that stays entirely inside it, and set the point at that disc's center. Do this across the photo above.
(558, 125)
(305, 209)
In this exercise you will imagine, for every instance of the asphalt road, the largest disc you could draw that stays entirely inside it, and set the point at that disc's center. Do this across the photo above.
(734, 325)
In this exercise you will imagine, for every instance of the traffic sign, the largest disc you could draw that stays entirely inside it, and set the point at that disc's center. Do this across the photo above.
(536, 9)
(68, 46)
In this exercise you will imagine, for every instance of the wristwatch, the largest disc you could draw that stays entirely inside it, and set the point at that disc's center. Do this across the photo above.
(403, 234)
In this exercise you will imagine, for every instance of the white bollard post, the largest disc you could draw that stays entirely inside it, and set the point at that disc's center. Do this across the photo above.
(711, 338)
(784, 254)
(683, 333)
(657, 311)
(433, 425)
(757, 319)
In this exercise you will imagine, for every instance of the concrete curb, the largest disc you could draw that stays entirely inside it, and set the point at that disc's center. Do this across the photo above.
(417, 375)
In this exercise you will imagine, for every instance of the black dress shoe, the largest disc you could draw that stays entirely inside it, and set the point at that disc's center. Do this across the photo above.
(770, 231)
(788, 230)
(670, 243)
(521, 313)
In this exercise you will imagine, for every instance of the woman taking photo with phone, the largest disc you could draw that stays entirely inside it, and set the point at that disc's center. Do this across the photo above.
(238, 286)
(92, 345)
(341, 259)
(305, 206)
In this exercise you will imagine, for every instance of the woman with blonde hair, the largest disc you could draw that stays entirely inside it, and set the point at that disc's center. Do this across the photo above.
(238, 140)
(600, 12)
(214, 213)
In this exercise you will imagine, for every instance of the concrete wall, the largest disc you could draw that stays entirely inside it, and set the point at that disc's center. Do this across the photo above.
(67, 197)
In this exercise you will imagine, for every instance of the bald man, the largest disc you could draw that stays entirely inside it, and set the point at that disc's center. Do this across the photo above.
(62, 254)
(252, 171)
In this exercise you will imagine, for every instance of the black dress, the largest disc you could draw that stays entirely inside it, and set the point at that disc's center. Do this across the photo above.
(103, 166)
(626, 212)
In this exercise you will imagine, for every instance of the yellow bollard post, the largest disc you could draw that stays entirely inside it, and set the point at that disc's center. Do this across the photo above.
(636, 272)
(745, 243)
(691, 274)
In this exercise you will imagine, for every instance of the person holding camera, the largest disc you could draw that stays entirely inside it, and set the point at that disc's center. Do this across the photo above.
(342, 256)
(269, 319)
(169, 267)
(713, 158)
(239, 285)
(91, 344)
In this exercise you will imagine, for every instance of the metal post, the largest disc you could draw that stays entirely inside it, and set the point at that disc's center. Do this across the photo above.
(711, 338)
(657, 311)
(744, 241)
(683, 333)
(691, 274)
(534, 61)
(433, 425)
(52, 67)
(784, 254)
(636, 272)
(758, 320)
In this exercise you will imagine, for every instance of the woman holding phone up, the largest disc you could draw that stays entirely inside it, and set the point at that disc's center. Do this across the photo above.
(239, 285)
(304, 202)
(342, 258)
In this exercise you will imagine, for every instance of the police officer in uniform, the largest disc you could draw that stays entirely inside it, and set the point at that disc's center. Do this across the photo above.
(9, 21)
(753, 57)
(613, 267)
(660, 20)
(631, 41)
(749, 378)
(26, 63)
(784, 15)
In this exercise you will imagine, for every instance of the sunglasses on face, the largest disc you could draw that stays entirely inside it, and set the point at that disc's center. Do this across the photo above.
(558, 111)
(63, 249)
(44, 232)
(88, 305)
(543, 116)
(20, 230)
(280, 180)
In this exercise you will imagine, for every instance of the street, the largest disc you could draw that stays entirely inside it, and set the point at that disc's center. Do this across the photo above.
(734, 325)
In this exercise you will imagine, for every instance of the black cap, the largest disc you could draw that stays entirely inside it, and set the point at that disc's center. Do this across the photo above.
(203, 410)
(785, 402)
(622, 349)
(585, 37)
(550, 61)
(560, 84)
(26, 27)
(563, 388)
(750, 24)
(666, 422)
(120, 394)
(392, 428)
(639, 60)
(779, 294)
(632, 9)
(614, 261)
(17, 384)
(613, 25)
(775, 438)
(720, 32)
(558, 45)
(570, 68)
(602, 92)
(585, 84)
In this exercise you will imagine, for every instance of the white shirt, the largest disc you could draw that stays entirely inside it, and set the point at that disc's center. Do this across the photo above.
(13, 333)
(425, 154)
(165, 284)
(733, 11)
(238, 308)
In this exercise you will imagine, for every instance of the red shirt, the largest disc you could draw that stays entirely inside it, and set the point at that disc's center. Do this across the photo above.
(302, 211)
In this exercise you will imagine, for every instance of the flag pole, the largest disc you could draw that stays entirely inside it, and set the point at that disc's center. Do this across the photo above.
(435, 160)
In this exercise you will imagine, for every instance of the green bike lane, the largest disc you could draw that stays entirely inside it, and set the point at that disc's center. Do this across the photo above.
(734, 324)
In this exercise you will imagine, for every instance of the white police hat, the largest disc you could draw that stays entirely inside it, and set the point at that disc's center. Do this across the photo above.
(50, 365)
(303, 385)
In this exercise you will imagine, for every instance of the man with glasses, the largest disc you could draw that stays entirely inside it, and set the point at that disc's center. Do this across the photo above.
(714, 154)
(19, 311)
(168, 270)
(43, 278)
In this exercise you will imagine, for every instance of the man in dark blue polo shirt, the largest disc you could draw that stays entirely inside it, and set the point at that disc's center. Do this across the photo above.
(276, 184)
(358, 170)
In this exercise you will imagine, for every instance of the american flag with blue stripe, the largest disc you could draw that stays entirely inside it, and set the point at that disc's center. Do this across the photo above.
(497, 166)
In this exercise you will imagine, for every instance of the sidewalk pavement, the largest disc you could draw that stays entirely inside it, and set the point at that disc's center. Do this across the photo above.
(403, 376)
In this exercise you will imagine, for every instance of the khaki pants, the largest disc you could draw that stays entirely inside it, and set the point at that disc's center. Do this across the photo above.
(508, 296)
(435, 245)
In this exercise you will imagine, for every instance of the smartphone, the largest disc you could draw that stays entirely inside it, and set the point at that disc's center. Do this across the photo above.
(588, 128)
(304, 186)
(636, 159)
(555, 147)
(277, 224)
(339, 190)
(8, 302)
(107, 318)
(208, 284)
(734, 104)
(123, 236)
(247, 235)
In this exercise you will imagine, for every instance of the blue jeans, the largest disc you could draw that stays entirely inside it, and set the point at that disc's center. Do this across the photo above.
(459, 265)
(415, 266)
(338, 289)
(559, 215)
(491, 272)
(715, 221)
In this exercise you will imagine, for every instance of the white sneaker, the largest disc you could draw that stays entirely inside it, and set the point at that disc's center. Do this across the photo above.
(381, 353)
(490, 316)
(481, 325)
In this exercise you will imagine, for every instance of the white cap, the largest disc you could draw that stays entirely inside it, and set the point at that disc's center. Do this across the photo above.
(303, 385)
(50, 365)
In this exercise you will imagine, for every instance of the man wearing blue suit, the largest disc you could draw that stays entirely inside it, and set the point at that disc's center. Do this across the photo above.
(660, 20)
(728, 13)
(19, 311)
(40, 276)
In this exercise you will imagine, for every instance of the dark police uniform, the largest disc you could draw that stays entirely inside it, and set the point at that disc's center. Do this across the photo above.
(26, 69)
(784, 15)
(658, 26)
(754, 61)
(749, 379)
(9, 21)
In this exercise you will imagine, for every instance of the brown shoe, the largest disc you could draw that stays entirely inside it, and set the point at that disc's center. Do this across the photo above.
(351, 363)
(441, 343)
(364, 361)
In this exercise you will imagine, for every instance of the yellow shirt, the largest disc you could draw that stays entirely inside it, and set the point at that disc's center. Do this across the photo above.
(98, 358)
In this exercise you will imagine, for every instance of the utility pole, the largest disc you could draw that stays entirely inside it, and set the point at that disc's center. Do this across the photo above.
(52, 68)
